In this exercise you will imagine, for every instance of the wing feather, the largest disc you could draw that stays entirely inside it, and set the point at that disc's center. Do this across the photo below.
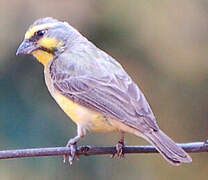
(113, 94)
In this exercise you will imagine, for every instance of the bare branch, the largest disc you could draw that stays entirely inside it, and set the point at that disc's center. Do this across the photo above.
(193, 147)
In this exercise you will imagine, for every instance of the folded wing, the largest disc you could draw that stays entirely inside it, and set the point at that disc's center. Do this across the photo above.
(114, 95)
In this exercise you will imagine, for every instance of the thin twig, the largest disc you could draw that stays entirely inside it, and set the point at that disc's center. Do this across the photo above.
(193, 147)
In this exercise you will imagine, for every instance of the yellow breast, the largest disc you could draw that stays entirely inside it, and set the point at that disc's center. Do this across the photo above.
(82, 116)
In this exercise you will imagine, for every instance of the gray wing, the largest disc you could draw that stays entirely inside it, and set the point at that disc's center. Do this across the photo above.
(114, 95)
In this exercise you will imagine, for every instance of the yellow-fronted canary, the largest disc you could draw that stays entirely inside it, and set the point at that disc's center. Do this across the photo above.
(93, 89)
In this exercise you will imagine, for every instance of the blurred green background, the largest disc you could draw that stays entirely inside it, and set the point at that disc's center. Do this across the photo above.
(162, 44)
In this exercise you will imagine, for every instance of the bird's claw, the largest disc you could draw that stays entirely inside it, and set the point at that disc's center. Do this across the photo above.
(73, 148)
(206, 142)
(119, 150)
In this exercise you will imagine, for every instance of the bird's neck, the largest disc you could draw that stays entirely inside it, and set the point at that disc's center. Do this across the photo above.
(42, 56)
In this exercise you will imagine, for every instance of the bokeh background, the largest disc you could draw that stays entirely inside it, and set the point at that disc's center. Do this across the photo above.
(164, 47)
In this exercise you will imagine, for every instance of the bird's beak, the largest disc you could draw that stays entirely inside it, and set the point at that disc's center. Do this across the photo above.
(26, 47)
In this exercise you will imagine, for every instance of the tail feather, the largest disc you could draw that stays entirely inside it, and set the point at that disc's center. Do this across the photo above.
(167, 148)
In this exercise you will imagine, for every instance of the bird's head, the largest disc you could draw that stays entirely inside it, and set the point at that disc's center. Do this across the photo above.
(46, 38)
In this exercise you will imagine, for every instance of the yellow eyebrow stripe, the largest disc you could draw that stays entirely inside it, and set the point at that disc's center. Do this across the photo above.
(34, 29)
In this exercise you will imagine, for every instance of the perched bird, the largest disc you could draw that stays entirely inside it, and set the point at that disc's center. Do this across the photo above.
(93, 89)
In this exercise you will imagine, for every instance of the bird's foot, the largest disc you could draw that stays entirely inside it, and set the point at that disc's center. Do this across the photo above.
(206, 142)
(73, 148)
(119, 150)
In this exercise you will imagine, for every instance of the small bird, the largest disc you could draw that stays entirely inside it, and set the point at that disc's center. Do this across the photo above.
(93, 89)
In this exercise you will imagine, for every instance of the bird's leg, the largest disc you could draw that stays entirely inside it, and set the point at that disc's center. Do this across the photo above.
(72, 144)
(119, 147)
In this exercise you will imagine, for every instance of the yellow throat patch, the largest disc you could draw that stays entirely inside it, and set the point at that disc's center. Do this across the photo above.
(43, 56)
(49, 43)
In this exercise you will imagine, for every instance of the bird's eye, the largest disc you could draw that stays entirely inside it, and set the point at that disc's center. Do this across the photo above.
(40, 33)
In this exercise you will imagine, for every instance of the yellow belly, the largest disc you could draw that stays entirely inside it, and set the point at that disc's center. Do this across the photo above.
(84, 117)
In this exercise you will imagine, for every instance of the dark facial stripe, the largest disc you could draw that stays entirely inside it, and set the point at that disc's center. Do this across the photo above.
(47, 50)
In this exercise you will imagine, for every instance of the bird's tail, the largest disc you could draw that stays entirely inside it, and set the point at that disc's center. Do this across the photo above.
(167, 148)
